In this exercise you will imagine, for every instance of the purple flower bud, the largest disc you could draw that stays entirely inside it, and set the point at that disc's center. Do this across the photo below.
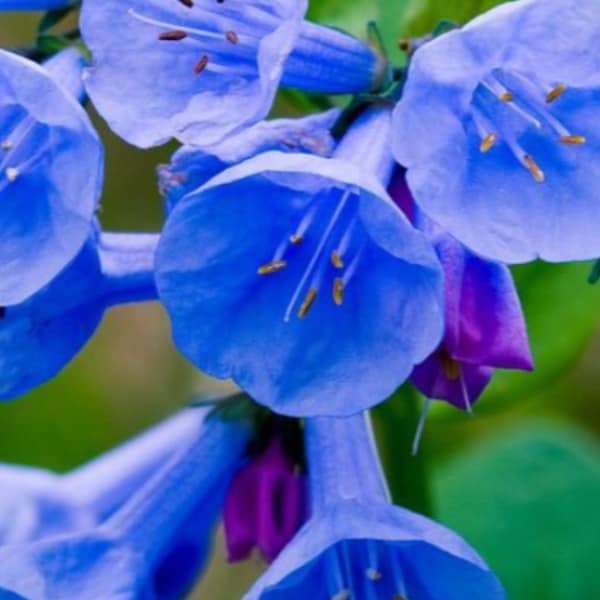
(265, 505)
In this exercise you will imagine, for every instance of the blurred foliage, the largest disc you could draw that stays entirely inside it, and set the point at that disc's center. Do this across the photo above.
(523, 492)
(528, 500)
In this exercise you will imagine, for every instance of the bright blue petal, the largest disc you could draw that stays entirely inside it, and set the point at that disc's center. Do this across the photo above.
(139, 551)
(50, 178)
(33, 4)
(40, 336)
(192, 167)
(232, 322)
(491, 200)
(357, 545)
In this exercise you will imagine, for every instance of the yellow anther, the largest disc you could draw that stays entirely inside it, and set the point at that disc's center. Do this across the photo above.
(11, 173)
(450, 367)
(507, 96)
(488, 141)
(338, 291)
(309, 300)
(336, 260)
(296, 239)
(373, 574)
(534, 169)
(556, 93)
(572, 140)
(272, 267)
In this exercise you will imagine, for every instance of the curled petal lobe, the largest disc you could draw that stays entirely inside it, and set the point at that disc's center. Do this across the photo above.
(193, 166)
(306, 278)
(497, 130)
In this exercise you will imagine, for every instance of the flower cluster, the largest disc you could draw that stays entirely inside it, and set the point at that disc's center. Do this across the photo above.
(320, 262)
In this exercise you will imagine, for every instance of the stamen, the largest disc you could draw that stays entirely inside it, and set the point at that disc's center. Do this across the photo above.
(507, 96)
(534, 168)
(309, 300)
(488, 141)
(465, 393)
(11, 173)
(272, 267)
(421, 426)
(338, 291)
(373, 574)
(172, 36)
(201, 64)
(556, 93)
(232, 36)
(336, 260)
(398, 597)
(572, 140)
(296, 239)
(450, 366)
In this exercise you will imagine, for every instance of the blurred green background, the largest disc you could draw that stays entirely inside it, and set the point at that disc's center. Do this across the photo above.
(520, 479)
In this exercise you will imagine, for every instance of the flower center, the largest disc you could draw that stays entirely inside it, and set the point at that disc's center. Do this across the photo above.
(364, 570)
(506, 103)
(23, 144)
(226, 36)
(328, 241)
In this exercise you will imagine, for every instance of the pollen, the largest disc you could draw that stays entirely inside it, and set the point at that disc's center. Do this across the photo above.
(534, 169)
(201, 64)
(338, 291)
(507, 96)
(336, 260)
(556, 93)
(450, 367)
(232, 36)
(11, 173)
(296, 239)
(488, 142)
(272, 267)
(309, 300)
(373, 574)
(172, 36)
(572, 140)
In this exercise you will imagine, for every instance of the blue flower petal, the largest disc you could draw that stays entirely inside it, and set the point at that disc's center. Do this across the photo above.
(50, 178)
(232, 322)
(490, 200)
(148, 89)
(41, 335)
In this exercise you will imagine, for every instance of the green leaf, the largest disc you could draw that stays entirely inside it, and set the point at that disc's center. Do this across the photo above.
(528, 501)
(51, 44)
(428, 13)
(351, 16)
(392, 25)
(52, 18)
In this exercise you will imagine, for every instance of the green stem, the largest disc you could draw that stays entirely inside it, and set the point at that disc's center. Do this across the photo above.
(395, 422)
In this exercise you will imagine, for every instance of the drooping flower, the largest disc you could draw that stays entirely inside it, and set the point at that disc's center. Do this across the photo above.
(485, 326)
(193, 166)
(297, 276)
(357, 545)
(498, 129)
(200, 71)
(39, 336)
(153, 546)
(51, 164)
(265, 505)
(36, 503)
